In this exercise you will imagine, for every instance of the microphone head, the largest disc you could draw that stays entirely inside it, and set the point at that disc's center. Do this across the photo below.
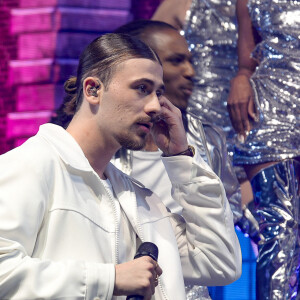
(149, 249)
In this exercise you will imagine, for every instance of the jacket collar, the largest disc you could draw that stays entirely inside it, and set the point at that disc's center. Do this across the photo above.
(65, 146)
(71, 153)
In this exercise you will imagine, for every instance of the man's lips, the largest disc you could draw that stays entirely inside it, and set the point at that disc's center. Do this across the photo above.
(146, 126)
(187, 89)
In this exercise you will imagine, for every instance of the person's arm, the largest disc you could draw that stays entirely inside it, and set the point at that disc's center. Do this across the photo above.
(213, 140)
(240, 101)
(209, 248)
(172, 12)
(222, 166)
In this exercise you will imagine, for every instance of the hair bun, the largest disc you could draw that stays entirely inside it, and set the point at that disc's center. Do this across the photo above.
(70, 85)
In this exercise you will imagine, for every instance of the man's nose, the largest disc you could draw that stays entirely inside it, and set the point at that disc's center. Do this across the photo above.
(189, 70)
(152, 105)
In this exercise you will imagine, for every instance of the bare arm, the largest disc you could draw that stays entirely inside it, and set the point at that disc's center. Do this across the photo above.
(246, 39)
(240, 101)
(172, 12)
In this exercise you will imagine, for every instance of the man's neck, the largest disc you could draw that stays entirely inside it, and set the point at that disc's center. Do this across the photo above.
(97, 152)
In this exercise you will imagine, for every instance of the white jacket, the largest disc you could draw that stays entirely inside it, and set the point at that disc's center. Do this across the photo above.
(58, 240)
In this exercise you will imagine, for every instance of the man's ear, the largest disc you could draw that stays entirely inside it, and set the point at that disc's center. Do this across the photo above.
(92, 89)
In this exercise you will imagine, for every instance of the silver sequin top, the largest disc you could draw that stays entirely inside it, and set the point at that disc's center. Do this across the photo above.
(211, 33)
(276, 83)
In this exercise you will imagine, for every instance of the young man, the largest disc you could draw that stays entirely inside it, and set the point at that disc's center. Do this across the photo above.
(70, 222)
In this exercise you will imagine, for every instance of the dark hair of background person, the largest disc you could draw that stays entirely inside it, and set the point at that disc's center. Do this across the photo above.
(141, 28)
(100, 59)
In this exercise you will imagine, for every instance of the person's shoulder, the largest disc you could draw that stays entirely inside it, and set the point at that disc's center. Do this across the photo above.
(35, 153)
(213, 134)
(206, 125)
(172, 12)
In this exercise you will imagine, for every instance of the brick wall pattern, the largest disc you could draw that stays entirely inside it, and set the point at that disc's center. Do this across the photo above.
(40, 41)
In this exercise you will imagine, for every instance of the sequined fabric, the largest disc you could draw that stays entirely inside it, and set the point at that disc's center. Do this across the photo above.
(276, 83)
(211, 33)
(277, 195)
(196, 292)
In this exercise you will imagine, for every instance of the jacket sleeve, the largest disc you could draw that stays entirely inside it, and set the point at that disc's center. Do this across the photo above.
(222, 166)
(209, 248)
(23, 205)
(212, 139)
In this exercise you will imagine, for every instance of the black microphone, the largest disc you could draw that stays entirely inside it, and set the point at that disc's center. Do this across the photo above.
(145, 249)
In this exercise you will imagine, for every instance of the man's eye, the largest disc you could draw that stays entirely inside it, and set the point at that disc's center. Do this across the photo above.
(159, 94)
(176, 60)
(142, 88)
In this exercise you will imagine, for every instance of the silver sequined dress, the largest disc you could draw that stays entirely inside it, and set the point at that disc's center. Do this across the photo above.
(276, 83)
(211, 33)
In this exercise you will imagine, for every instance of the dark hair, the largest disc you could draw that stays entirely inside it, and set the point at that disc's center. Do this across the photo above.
(100, 59)
(141, 28)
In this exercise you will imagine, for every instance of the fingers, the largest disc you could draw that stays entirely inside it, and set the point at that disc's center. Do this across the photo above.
(168, 130)
(241, 106)
(169, 112)
(165, 102)
(137, 277)
(244, 124)
(156, 271)
(252, 110)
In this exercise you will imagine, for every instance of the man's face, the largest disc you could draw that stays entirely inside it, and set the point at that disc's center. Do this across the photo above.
(173, 52)
(131, 101)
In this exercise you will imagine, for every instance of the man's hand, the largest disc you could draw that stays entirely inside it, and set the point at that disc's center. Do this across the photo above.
(137, 277)
(168, 132)
(241, 105)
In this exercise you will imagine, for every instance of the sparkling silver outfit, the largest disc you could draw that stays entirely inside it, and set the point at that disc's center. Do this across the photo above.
(276, 191)
(276, 137)
(211, 33)
(276, 83)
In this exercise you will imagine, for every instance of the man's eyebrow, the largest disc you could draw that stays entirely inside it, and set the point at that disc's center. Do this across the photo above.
(149, 81)
(181, 55)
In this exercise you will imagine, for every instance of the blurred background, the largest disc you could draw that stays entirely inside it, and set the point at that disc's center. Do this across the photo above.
(40, 41)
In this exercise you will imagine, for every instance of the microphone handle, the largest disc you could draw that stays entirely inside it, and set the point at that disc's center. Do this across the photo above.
(145, 249)
(135, 297)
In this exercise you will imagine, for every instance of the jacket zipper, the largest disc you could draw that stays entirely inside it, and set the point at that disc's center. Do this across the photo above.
(116, 224)
(139, 228)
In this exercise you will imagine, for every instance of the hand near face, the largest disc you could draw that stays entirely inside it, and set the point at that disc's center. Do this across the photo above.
(168, 132)
(137, 277)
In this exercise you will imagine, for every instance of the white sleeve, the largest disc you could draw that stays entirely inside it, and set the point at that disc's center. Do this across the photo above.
(23, 204)
(208, 245)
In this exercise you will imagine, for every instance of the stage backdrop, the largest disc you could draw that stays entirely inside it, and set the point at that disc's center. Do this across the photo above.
(40, 41)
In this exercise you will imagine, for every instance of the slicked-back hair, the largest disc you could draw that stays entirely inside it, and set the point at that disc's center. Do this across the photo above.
(100, 59)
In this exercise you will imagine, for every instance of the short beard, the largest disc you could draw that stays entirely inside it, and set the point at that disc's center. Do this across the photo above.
(129, 143)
